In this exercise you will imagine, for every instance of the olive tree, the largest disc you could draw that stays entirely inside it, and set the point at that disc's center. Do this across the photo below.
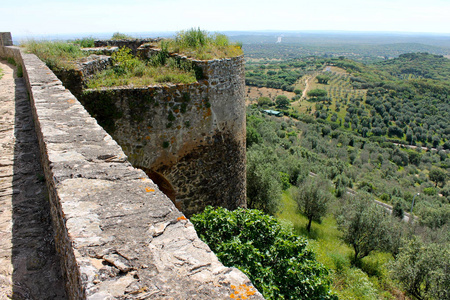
(312, 198)
(423, 269)
(364, 225)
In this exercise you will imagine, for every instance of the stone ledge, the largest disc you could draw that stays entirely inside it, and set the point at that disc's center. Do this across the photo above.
(119, 237)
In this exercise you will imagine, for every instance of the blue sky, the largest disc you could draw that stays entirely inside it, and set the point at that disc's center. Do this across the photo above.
(49, 17)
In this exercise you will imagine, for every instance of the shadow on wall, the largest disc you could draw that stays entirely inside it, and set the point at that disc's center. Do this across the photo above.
(36, 265)
(163, 184)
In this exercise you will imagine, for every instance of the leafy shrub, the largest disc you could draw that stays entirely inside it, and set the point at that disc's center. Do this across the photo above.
(278, 262)
(430, 191)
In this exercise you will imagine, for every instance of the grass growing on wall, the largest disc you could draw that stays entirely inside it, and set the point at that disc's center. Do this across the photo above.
(200, 44)
(56, 55)
(129, 70)
(1, 73)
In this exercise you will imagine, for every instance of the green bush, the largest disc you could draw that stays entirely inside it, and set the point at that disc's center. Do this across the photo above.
(278, 262)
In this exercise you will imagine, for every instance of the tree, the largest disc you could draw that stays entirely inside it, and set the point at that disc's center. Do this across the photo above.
(316, 93)
(437, 175)
(423, 269)
(277, 262)
(364, 226)
(262, 101)
(263, 185)
(312, 198)
(282, 101)
(323, 79)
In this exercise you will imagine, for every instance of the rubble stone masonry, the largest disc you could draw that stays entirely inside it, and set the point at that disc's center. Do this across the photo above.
(118, 235)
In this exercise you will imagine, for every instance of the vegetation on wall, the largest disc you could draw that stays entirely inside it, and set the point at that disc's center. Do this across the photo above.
(57, 55)
(200, 44)
(129, 70)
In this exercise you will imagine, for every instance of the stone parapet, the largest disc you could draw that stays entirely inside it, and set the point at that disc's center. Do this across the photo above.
(118, 235)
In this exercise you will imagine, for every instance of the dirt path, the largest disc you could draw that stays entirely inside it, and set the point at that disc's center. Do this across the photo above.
(307, 85)
(29, 266)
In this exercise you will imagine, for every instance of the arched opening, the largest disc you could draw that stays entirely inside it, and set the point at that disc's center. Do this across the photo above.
(163, 184)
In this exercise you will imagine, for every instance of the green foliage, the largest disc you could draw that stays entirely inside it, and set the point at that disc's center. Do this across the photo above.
(19, 71)
(264, 101)
(263, 186)
(56, 55)
(128, 69)
(200, 44)
(282, 101)
(430, 191)
(87, 42)
(323, 79)
(312, 198)
(278, 262)
(437, 175)
(424, 269)
(121, 36)
(316, 93)
(11, 61)
(364, 226)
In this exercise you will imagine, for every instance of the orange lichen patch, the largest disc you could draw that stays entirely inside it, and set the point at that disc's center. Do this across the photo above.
(141, 290)
(242, 292)
(71, 101)
(176, 111)
(147, 137)
(207, 113)
(181, 218)
(172, 140)
(148, 190)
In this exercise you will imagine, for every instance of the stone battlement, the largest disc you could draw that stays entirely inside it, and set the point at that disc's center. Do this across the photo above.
(118, 235)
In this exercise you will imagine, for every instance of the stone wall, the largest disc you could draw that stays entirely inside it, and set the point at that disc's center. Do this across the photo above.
(118, 235)
(84, 69)
(192, 136)
(133, 44)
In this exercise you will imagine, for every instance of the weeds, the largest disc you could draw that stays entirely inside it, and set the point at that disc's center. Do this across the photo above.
(200, 44)
(87, 42)
(129, 70)
(19, 71)
(57, 55)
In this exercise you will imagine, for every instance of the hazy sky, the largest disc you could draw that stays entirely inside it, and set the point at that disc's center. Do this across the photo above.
(26, 17)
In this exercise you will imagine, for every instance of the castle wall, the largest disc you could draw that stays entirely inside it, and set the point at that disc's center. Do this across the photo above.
(193, 135)
(118, 235)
